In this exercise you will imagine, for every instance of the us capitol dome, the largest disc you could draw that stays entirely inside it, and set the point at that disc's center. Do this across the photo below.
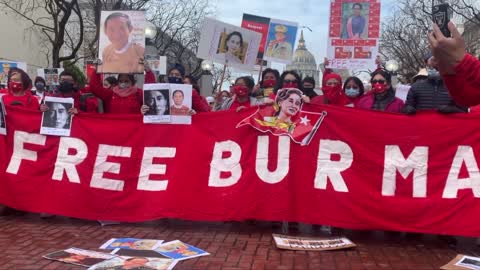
(304, 62)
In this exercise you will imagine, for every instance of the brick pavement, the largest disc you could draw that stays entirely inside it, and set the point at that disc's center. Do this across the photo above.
(233, 245)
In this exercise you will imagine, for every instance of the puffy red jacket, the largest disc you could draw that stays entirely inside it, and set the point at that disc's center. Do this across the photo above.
(26, 101)
(114, 103)
(464, 86)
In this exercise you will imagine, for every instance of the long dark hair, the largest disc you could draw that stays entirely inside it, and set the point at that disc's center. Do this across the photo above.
(282, 78)
(234, 33)
(26, 81)
(270, 70)
(358, 82)
(152, 109)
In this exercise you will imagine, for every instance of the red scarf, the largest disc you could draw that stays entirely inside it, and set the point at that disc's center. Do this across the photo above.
(124, 92)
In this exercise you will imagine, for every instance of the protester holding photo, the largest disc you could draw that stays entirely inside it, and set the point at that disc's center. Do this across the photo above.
(241, 96)
(176, 75)
(383, 96)
(68, 88)
(233, 48)
(19, 90)
(270, 78)
(121, 56)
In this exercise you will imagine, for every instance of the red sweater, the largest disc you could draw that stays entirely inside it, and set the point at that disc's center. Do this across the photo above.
(26, 101)
(114, 103)
(464, 85)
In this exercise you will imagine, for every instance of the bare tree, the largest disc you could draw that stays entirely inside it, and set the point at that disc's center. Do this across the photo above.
(51, 17)
(178, 25)
(217, 73)
(404, 34)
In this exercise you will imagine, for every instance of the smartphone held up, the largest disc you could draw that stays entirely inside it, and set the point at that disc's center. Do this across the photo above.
(442, 13)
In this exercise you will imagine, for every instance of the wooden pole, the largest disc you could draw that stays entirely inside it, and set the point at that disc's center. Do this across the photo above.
(222, 78)
(261, 69)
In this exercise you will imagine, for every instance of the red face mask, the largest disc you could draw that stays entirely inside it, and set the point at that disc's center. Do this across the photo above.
(332, 93)
(15, 86)
(240, 90)
(290, 85)
(380, 88)
(269, 83)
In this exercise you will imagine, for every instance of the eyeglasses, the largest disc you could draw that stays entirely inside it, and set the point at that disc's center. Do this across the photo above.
(289, 81)
(378, 81)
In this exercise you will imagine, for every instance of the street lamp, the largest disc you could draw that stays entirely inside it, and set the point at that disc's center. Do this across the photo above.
(392, 67)
(206, 86)
(150, 31)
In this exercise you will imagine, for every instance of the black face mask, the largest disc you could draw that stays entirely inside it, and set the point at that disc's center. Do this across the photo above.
(66, 87)
(175, 80)
(308, 91)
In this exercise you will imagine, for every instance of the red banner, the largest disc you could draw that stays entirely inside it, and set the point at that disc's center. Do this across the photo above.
(361, 170)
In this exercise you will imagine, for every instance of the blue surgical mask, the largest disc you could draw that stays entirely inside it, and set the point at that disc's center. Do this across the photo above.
(175, 80)
(352, 92)
(433, 73)
(40, 86)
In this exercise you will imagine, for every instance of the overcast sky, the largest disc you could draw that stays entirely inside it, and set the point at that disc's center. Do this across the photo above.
(311, 13)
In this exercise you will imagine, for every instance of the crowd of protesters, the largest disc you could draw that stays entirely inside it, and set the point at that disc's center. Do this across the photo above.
(448, 84)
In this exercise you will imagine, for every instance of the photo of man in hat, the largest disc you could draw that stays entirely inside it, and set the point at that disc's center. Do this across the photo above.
(280, 47)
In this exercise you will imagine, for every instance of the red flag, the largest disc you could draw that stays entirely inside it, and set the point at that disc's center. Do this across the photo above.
(300, 129)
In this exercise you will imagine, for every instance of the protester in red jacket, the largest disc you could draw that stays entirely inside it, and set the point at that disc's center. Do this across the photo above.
(460, 70)
(125, 98)
(382, 96)
(332, 91)
(68, 88)
(19, 86)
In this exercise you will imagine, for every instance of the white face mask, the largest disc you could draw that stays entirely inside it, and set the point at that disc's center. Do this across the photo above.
(123, 85)
(352, 92)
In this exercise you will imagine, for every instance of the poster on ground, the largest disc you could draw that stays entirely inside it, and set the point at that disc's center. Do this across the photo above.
(463, 262)
(122, 41)
(178, 250)
(131, 243)
(135, 263)
(78, 256)
(309, 243)
(354, 33)
(228, 44)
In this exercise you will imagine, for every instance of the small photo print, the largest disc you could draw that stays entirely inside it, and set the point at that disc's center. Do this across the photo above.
(78, 256)
(135, 263)
(132, 243)
(157, 98)
(57, 120)
(469, 262)
(137, 253)
(178, 250)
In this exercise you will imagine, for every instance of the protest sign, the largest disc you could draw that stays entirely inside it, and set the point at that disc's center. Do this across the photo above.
(354, 34)
(121, 41)
(5, 68)
(416, 171)
(168, 103)
(57, 120)
(157, 63)
(280, 41)
(228, 44)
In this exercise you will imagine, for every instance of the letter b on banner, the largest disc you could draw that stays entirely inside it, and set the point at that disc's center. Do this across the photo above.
(230, 164)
